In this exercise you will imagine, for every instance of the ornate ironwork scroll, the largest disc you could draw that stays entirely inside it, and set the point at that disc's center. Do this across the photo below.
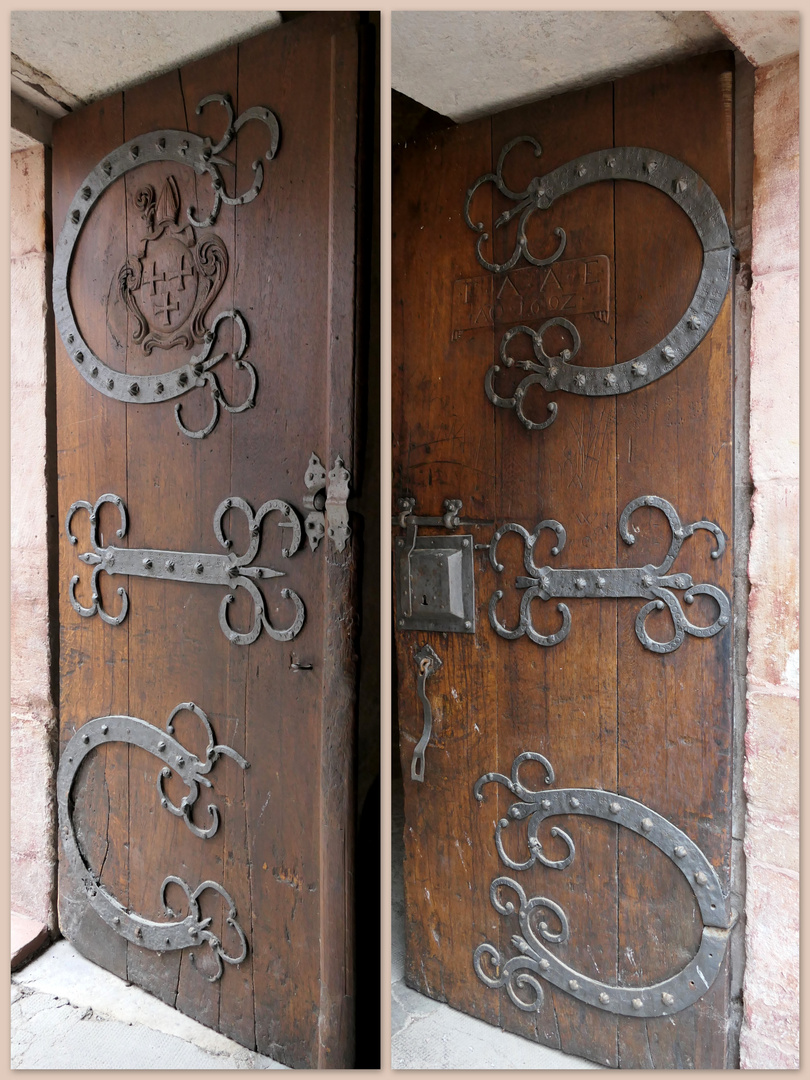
(688, 190)
(427, 662)
(535, 961)
(653, 583)
(326, 498)
(233, 571)
(205, 261)
(193, 930)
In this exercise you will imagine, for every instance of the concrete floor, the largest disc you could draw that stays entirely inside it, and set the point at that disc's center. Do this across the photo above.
(66, 1013)
(426, 1034)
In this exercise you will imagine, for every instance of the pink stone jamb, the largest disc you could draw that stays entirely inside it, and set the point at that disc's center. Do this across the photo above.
(33, 824)
(769, 1038)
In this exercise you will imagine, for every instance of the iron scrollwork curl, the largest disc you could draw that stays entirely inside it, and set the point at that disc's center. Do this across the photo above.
(535, 961)
(192, 930)
(197, 152)
(653, 583)
(231, 570)
(556, 372)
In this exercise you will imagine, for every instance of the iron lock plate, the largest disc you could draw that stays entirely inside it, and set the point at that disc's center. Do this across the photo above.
(436, 584)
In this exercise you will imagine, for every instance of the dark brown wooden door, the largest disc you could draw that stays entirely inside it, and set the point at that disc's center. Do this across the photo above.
(164, 279)
(644, 736)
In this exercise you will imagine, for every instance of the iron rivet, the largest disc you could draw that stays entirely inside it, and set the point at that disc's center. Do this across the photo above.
(581, 583)
(181, 762)
(553, 373)
(111, 560)
(647, 824)
(680, 852)
(162, 744)
(545, 965)
(581, 170)
(604, 998)
(723, 620)
(104, 729)
(701, 878)
(610, 379)
(668, 352)
(615, 807)
(168, 941)
(85, 738)
(680, 185)
(94, 371)
(401, 622)
(170, 565)
(147, 563)
(579, 380)
(637, 1003)
(651, 166)
(161, 144)
(639, 368)
(134, 389)
(573, 984)
(465, 542)
(79, 357)
(138, 932)
(70, 339)
(659, 605)
(110, 384)
(668, 999)
(467, 624)
(611, 162)
(106, 168)
(134, 151)
(86, 193)
(116, 920)
(192, 931)
(74, 217)
(164, 802)
(574, 801)
(646, 581)
(546, 804)
(182, 378)
(198, 568)
(600, 583)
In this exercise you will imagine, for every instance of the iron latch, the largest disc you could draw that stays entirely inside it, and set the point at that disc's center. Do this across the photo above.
(326, 499)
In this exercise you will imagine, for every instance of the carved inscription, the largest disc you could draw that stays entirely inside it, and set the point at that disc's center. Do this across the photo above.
(573, 287)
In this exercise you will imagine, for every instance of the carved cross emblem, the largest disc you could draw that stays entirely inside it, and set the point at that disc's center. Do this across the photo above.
(175, 278)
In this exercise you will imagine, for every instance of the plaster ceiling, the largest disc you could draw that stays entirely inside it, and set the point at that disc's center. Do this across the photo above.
(63, 59)
(465, 64)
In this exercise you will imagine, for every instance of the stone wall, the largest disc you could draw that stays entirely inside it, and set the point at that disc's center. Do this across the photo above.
(33, 720)
(770, 1033)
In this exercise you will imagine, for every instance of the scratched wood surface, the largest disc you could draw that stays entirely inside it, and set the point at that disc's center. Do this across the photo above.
(284, 847)
(606, 713)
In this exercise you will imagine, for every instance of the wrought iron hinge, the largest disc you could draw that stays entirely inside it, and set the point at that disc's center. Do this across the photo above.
(327, 501)
(651, 583)
(534, 960)
(230, 571)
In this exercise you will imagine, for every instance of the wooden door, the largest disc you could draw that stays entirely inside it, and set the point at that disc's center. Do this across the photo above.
(605, 714)
(236, 809)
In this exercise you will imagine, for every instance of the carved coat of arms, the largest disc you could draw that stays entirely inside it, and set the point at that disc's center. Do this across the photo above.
(175, 277)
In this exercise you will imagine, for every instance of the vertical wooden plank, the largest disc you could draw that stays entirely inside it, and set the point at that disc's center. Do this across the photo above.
(444, 448)
(288, 279)
(561, 701)
(674, 440)
(91, 432)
